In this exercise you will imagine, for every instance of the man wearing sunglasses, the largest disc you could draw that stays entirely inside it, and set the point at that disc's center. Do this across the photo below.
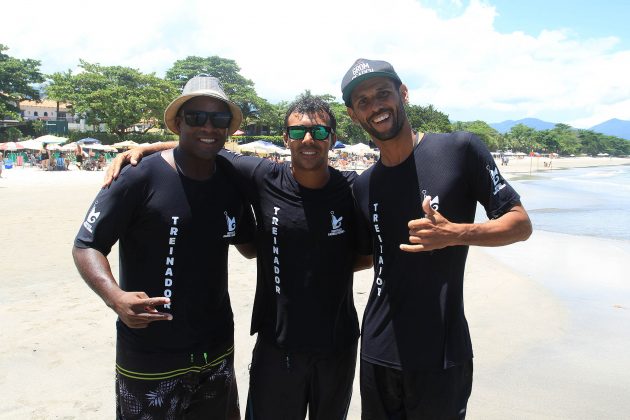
(308, 246)
(174, 217)
(419, 200)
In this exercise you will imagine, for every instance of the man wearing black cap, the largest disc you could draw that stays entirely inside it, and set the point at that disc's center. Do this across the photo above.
(419, 200)
(174, 218)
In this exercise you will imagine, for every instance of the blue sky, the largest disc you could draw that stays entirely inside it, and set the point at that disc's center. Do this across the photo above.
(560, 61)
(583, 18)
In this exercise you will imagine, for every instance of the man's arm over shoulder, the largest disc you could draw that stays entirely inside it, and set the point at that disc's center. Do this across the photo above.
(133, 157)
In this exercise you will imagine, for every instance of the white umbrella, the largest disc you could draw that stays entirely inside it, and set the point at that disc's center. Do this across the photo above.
(32, 144)
(261, 146)
(49, 138)
(358, 149)
(125, 144)
(70, 147)
(102, 147)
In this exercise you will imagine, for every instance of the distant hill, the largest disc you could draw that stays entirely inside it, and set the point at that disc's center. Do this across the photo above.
(614, 127)
(505, 126)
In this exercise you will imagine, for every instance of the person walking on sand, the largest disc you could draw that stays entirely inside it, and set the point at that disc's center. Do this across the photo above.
(419, 200)
(174, 217)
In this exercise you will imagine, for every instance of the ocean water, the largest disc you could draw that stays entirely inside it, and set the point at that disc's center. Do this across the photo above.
(584, 201)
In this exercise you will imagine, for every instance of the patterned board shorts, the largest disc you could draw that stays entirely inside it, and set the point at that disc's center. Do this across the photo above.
(200, 389)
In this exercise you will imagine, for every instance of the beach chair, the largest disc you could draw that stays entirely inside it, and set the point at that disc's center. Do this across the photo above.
(60, 164)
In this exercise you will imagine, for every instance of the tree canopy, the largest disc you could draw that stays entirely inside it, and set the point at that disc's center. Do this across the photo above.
(117, 96)
(122, 97)
(17, 80)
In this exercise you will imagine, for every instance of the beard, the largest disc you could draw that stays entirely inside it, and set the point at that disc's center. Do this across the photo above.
(398, 121)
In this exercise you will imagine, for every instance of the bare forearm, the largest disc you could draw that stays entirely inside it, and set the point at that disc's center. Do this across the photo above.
(158, 147)
(514, 226)
(96, 271)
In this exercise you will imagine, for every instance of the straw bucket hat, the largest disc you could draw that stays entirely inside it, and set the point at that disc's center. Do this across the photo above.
(202, 86)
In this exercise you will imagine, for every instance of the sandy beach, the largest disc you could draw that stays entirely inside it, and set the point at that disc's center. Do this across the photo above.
(542, 350)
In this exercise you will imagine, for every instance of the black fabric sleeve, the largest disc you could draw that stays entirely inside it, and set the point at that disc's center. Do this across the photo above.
(490, 188)
(111, 213)
(249, 170)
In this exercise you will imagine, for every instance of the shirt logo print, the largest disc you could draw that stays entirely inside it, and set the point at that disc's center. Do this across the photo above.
(435, 201)
(231, 225)
(335, 223)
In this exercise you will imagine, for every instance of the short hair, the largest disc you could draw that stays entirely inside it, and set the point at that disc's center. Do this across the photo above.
(310, 105)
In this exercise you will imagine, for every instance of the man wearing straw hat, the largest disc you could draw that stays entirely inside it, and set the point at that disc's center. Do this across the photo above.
(174, 216)
(308, 246)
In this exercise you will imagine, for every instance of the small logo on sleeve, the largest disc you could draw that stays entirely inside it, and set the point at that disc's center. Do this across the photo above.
(91, 218)
(496, 179)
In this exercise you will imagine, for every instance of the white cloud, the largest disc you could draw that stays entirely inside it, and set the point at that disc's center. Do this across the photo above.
(462, 65)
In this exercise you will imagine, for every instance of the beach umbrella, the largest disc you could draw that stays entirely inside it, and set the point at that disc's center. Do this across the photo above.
(101, 147)
(70, 147)
(238, 133)
(32, 144)
(339, 145)
(11, 146)
(49, 138)
(88, 140)
(358, 149)
(127, 144)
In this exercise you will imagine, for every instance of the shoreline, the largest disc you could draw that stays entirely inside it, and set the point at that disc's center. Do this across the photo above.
(532, 355)
(533, 165)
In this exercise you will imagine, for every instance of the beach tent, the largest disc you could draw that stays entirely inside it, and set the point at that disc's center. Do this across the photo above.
(238, 133)
(339, 145)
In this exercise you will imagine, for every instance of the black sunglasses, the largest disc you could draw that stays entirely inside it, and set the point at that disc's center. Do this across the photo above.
(199, 118)
(318, 132)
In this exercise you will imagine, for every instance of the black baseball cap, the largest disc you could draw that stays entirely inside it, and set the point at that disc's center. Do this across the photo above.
(361, 70)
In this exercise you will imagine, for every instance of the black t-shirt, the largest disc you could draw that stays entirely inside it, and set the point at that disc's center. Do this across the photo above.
(414, 318)
(173, 235)
(307, 240)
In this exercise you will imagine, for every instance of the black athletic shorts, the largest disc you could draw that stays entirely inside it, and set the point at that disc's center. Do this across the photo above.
(388, 393)
(176, 386)
(282, 385)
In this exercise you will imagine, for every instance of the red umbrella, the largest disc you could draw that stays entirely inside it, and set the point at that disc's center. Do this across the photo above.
(11, 146)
